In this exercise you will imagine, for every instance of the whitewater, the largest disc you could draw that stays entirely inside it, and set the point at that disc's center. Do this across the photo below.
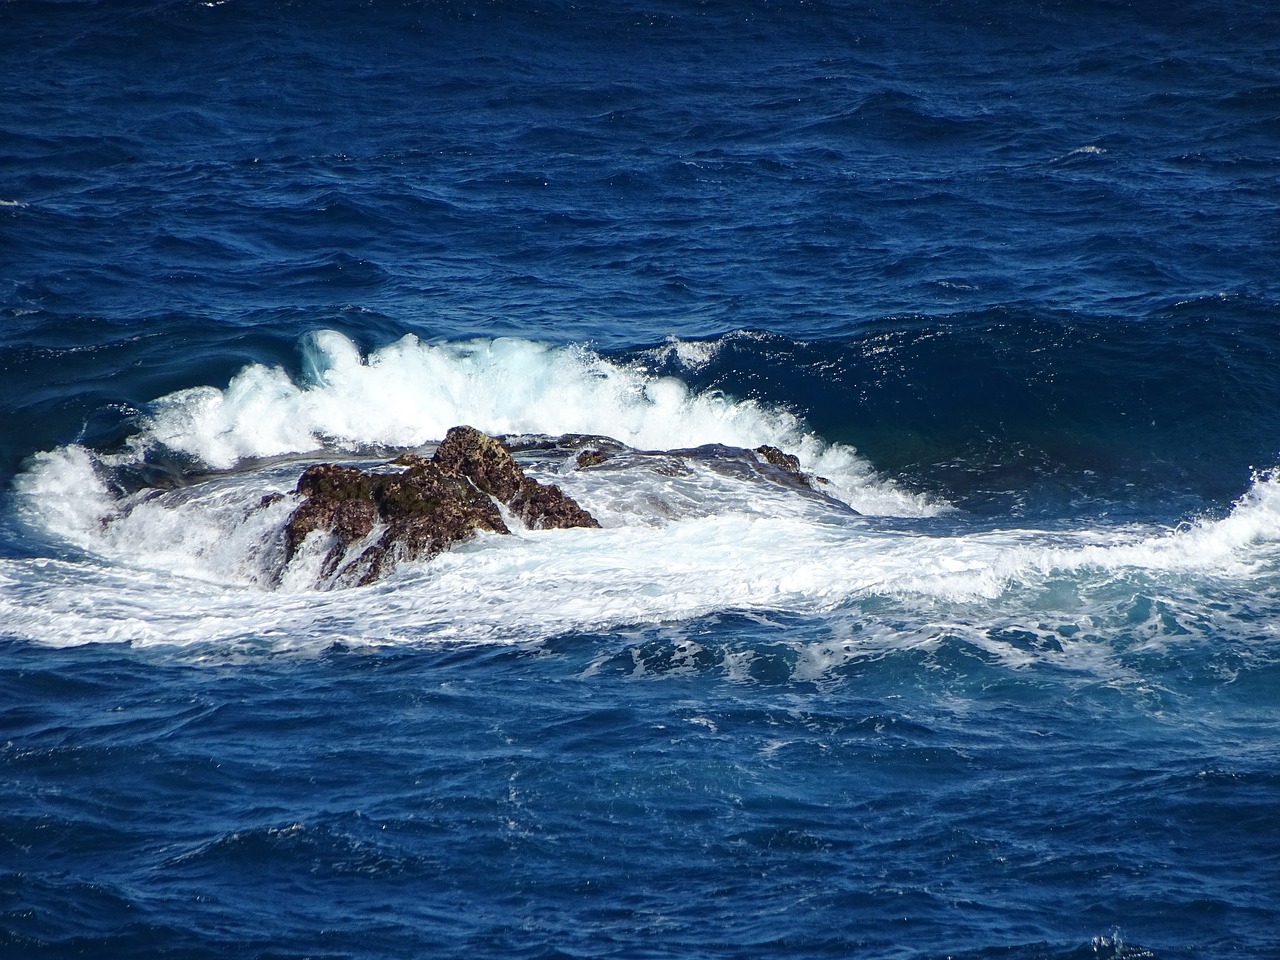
(683, 536)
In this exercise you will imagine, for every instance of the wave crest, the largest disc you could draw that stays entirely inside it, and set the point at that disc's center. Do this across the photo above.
(410, 393)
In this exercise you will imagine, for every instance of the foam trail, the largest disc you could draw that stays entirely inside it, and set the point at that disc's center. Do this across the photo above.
(410, 393)
(186, 567)
(195, 564)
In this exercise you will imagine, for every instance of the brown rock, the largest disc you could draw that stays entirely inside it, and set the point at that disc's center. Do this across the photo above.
(425, 509)
(466, 452)
(776, 457)
(791, 464)
(544, 506)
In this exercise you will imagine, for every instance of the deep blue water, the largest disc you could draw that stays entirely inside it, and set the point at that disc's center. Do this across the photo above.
(1003, 273)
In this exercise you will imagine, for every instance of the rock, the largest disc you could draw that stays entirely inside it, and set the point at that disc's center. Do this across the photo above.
(466, 452)
(790, 463)
(590, 458)
(378, 519)
(469, 453)
(544, 506)
(775, 456)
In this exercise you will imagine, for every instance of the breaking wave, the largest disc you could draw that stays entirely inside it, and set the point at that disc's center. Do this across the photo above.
(688, 531)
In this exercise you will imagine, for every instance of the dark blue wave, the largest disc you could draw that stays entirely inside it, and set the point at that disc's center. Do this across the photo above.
(1019, 410)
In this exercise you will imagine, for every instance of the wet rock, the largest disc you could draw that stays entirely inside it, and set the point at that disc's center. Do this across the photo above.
(790, 463)
(466, 452)
(544, 506)
(776, 457)
(376, 520)
(486, 463)
(590, 458)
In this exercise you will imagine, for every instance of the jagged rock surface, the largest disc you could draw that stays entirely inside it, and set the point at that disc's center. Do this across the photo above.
(790, 464)
(427, 508)
(773, 455)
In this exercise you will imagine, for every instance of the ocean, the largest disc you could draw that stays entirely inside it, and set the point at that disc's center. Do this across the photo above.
(995, 675)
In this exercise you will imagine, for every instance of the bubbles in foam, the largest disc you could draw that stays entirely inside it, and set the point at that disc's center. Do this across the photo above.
(693, 355)
(192, 564)
(410, 393)
(188, 566)
(63, 494)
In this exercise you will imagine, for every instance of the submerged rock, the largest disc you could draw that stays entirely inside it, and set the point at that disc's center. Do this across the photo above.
(376, 520)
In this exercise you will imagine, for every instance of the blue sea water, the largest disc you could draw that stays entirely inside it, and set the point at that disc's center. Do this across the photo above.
(1004, 274)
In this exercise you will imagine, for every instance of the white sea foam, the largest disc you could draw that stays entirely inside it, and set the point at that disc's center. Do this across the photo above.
(693, 355)
(62, 493)
(1087, 150)
(192, 565)
(410, 393)
(199, 563)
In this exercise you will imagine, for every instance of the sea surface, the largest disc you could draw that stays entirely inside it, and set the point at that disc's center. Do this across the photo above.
(1003, 683)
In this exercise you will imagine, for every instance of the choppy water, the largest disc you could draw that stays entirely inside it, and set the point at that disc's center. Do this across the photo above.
(1003, 275)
